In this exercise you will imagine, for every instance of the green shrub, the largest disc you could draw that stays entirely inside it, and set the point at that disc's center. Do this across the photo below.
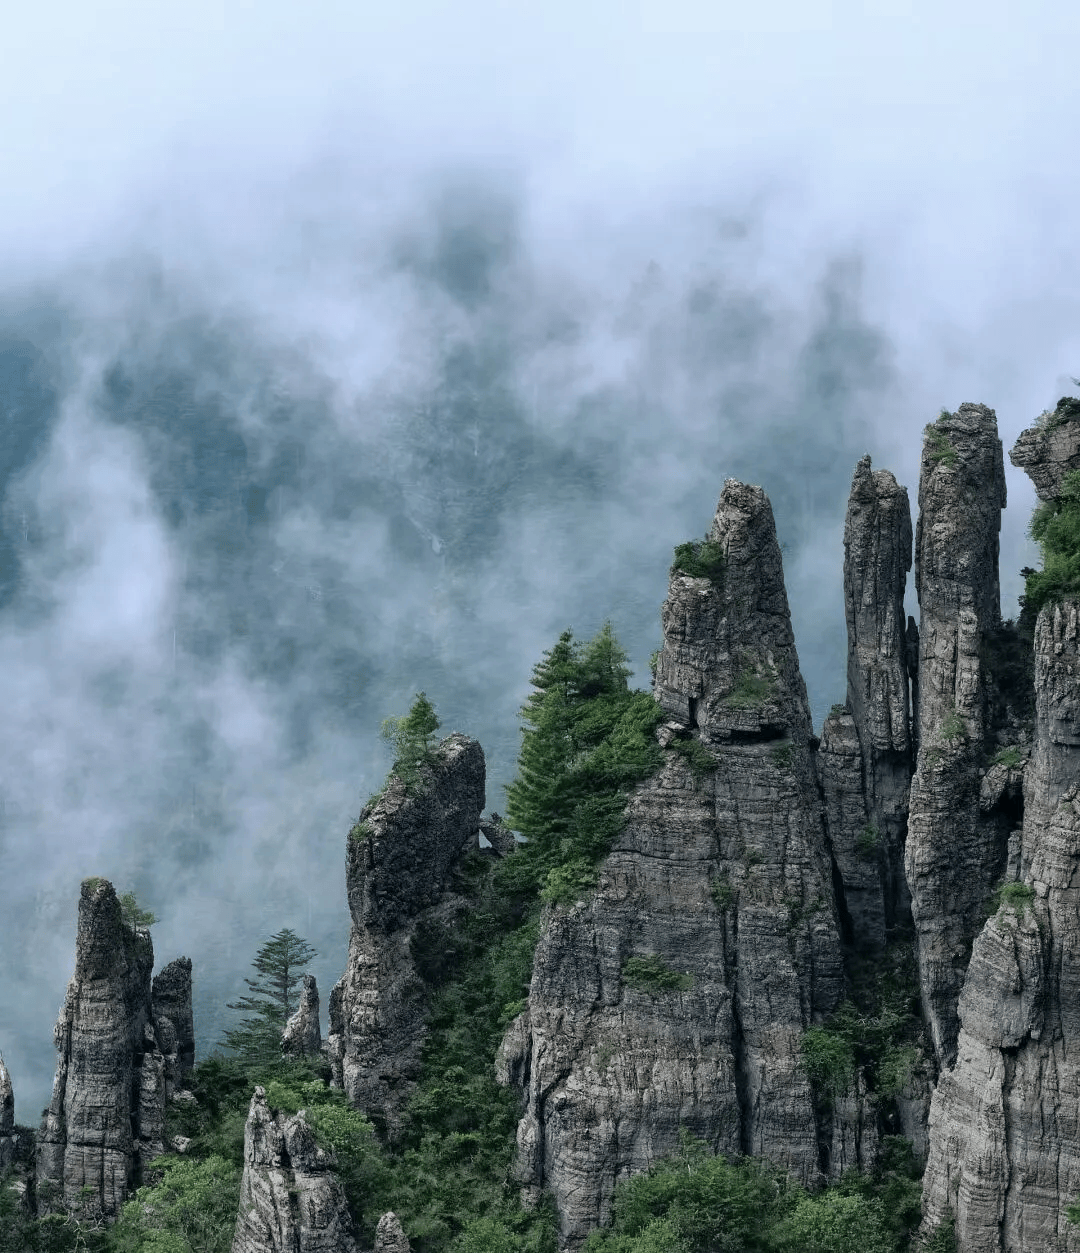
(1010, 758)
(942, 1239)
(722, 893)
(361, 830)
(939, 447)
(568, 883)
(133, 914)
(953, 727)
(412, 738)
(837, 711)
(1016, 896)
(782, 756)
(701, 762)
(191, 1210)
(829, 1061)
(652, 974)
(751, 689)
(701, 559)
(867, 842)
(1055, 526)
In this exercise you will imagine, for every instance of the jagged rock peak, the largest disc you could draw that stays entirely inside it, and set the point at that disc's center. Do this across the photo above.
(291, 1199)
(389, 1236)
(106, 1117)
(499, 835)
(954, 855)
(302, 1037)
(401, 856)
(173, 1019)
(1050, 449)
(1004, 1156)
(728, 665)
(7, 1117)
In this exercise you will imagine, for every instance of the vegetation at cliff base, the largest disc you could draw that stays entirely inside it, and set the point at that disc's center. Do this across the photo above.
(1055, 527)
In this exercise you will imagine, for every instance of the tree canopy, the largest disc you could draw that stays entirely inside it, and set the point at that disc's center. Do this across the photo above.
(281, 963)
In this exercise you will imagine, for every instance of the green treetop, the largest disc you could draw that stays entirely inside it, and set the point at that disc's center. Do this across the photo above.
(281, 964)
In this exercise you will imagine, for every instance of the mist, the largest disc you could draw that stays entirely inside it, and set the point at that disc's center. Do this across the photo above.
(360, 354)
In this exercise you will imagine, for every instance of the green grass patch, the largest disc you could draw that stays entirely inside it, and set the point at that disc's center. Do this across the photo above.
(723, 894)
(1016, 896)
(652, 974)
(939, 448)
(701, 762)
(953, 727)
(782, 756)
(1010, 758)
(751, 689)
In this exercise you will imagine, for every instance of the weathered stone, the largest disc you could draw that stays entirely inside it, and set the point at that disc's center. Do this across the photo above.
(1005, 1121)
(107, 1114)
(291, 1199)
(302, 1036)
(499, 835)
(725, 879)
(953, 855)
(1047, 452)
(389, 1236)
(175, 1024)
(877, 557)
(7, 1118)
(399, 866)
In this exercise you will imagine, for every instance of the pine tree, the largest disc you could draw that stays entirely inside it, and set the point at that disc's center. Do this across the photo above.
(281, 962)
(411, 737)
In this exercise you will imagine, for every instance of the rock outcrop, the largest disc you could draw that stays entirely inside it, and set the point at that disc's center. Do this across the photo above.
(106, 1117)
(174, 1022)
(7, 1118)
(719, 881)
(302, 1036)
(1004, 1158)
(389, 1237)
(400, 861)
(291, 1199)
(954, 853)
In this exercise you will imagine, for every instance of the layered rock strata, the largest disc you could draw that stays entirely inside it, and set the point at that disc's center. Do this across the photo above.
(1004, 1157)
(302, 1036)
(954, 852)
(877, 557)
(400, 862)
(174, 1022)
(721, 885)
(7, 1118)
(291, 1198)
(106, 1116)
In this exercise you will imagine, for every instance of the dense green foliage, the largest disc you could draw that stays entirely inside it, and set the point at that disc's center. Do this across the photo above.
(751, 688)
(701, 559)
(133, 913)
(1055, 526)
(940, 448)
(280, 963)
(652, 974)
(1014, 895)
(696, 1203)
(412, 737)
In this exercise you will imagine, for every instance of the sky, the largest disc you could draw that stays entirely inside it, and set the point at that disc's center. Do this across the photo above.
(348, 350)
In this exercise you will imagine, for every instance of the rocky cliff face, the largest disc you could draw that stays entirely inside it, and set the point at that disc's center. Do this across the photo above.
(291, 1199)
(865, 759)
(721, 885)
(1005, 1120)
(955, 852)
(401, 856)
(174, 1023)
(302, 1037)
(106, 1117)
(7, 1118)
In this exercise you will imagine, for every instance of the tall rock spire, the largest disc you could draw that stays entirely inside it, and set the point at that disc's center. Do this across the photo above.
(7, 1118)
(720, 877)
(953, 856)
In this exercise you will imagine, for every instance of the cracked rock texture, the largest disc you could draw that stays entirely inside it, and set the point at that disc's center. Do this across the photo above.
(726, 880)
(106, 1116)
(171, 1004)
(302, 1036)
(389, 1237)
(399, 867)
(954, 854)
(291, 1199)
(1046, 453)
(7, 1118)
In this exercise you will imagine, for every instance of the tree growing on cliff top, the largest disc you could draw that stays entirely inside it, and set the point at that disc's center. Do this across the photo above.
(282, 963)
(411, 737)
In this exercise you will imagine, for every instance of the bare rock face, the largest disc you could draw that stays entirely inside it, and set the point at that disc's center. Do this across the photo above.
(720, 884)
(877, 557)
(171, 999)
(954, 856)
(302, 1037)
(389, 1237)
(1047, 452)
(7, 1118)
(399, 864)
(106, 1117)
(1005, 1120)
(291, 1199)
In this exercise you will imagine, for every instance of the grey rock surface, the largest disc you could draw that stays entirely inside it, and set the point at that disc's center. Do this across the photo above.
(400, 861)
(389, 1237)
(7, 1118)
(1005, 1120)
(106, 1117)
(1046, 453)
(877, 557)
(953, 856)
(291, 1198)
(302, 1036)
(175, 1025)
(725, 879)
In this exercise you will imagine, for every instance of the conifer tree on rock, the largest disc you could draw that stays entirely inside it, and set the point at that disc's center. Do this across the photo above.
(280, 962)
